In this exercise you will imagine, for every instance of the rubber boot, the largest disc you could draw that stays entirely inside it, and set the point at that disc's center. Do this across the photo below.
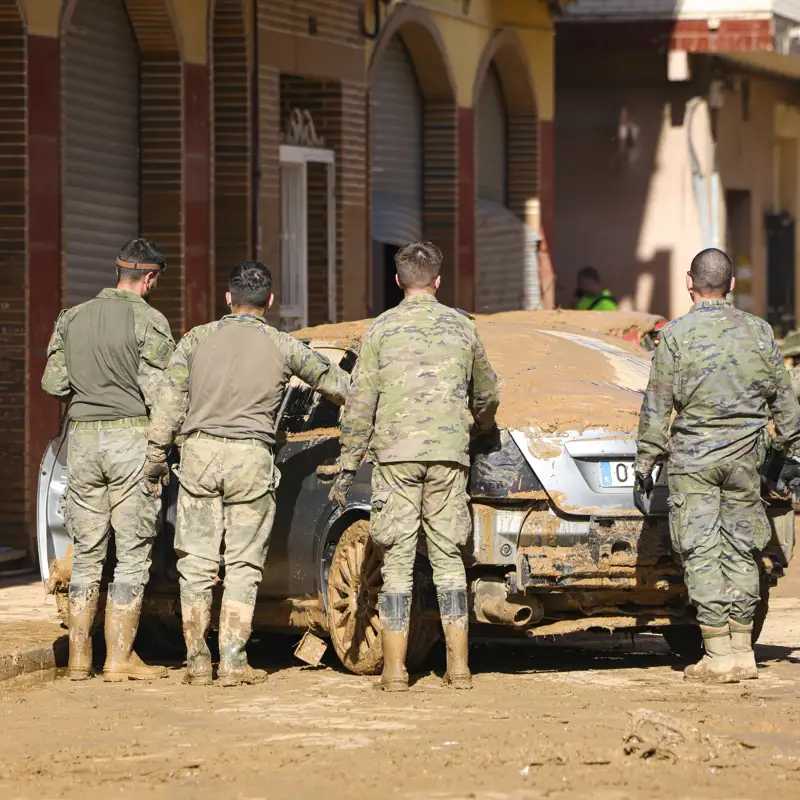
(196, 616)
(718, 664)
(235, 626)
(395, 615)
(742, 646)
(82, 611)
(455, 624)
(123, 609)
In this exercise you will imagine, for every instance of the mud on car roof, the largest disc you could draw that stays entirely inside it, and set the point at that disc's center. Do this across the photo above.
(557, 372)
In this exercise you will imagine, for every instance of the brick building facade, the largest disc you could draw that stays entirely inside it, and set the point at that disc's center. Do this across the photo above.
(250, 128)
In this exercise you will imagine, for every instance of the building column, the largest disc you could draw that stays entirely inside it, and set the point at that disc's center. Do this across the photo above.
(199, 304)
(466, 209)
(42, 273)
(548, 201)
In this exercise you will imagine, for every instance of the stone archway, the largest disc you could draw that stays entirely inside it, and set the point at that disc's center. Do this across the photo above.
(423, 42)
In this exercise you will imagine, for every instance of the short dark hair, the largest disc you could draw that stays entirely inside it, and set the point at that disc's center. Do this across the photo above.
(138, 251)
(250, 284)
(712, 271)
(589, 274)
(418, 264)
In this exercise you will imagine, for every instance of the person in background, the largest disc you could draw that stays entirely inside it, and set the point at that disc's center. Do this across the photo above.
(590, 293)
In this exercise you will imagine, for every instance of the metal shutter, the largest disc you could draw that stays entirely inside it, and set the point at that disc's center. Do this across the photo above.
(100, 96)
(506, 258)
(396, 122)
(491, 137)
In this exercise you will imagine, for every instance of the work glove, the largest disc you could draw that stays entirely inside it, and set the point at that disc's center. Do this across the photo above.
(485, 442)
(642, 489)
(789, 480)
(156, 475)
(341, 486)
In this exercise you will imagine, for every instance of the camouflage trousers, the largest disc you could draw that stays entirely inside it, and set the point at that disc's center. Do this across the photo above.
(226, 498)
(717, 526)
(105, 462)
(409, 496)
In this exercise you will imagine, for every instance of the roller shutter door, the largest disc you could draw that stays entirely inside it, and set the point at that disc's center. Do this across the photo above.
(100, 95)
(396, 122)
(500, 237)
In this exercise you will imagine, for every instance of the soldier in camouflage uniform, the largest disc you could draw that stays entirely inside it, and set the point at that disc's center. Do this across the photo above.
(421, 367)
(106, 357)
(222, 391)
(719, 368)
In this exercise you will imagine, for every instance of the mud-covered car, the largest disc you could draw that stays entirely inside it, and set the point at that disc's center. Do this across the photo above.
(557, 543)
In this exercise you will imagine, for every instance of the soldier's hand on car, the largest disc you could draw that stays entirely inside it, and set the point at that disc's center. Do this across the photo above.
(341, 487)
(789, 480)
(642, 489)
(156, 475)
(485, 442)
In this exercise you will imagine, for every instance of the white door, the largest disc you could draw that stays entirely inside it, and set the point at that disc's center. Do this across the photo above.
(296, 237)
(100, 95)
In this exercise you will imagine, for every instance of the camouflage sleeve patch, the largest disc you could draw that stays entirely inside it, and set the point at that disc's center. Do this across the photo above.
(55, 380)
(158, 346)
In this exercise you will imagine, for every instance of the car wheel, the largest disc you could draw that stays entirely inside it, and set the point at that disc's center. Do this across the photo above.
(354, 582)
(686, 641)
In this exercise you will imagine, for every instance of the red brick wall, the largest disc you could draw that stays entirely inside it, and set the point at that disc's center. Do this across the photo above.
(440, 189)
(466, 208)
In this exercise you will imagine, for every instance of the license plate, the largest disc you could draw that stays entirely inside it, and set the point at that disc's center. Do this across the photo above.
(616, 474)
(620, 474)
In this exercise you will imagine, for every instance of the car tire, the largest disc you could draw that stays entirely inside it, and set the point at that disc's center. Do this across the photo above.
(354, 582)
(686, 641)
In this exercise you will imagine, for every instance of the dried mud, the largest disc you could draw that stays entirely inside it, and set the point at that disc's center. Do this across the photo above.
(551, 381)
(585, 716)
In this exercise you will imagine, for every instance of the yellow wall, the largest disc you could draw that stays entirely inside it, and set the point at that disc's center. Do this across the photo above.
(465, 37)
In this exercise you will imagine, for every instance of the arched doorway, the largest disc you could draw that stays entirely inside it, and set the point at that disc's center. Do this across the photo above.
(396, 131)
(100, 101)
(507, 169)
(414, 150)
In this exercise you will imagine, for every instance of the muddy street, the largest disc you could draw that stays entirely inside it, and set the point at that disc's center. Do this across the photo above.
(594, 716)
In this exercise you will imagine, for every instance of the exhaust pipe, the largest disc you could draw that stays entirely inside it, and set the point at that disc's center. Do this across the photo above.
(500, 612)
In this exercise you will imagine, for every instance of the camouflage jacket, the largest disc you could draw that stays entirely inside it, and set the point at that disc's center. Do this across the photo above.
(720, 370)
(422, 366)
(227, 379)
(107, 356)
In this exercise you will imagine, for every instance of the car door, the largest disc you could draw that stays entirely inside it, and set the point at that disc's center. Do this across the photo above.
(307, 450)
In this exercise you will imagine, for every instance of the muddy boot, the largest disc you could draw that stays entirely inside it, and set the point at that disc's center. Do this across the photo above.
(718, 664)
(743, 655)
(123, 609)
(455, 624)
(235, 625)
(395, 614)
(82, 610)
(196, 615)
